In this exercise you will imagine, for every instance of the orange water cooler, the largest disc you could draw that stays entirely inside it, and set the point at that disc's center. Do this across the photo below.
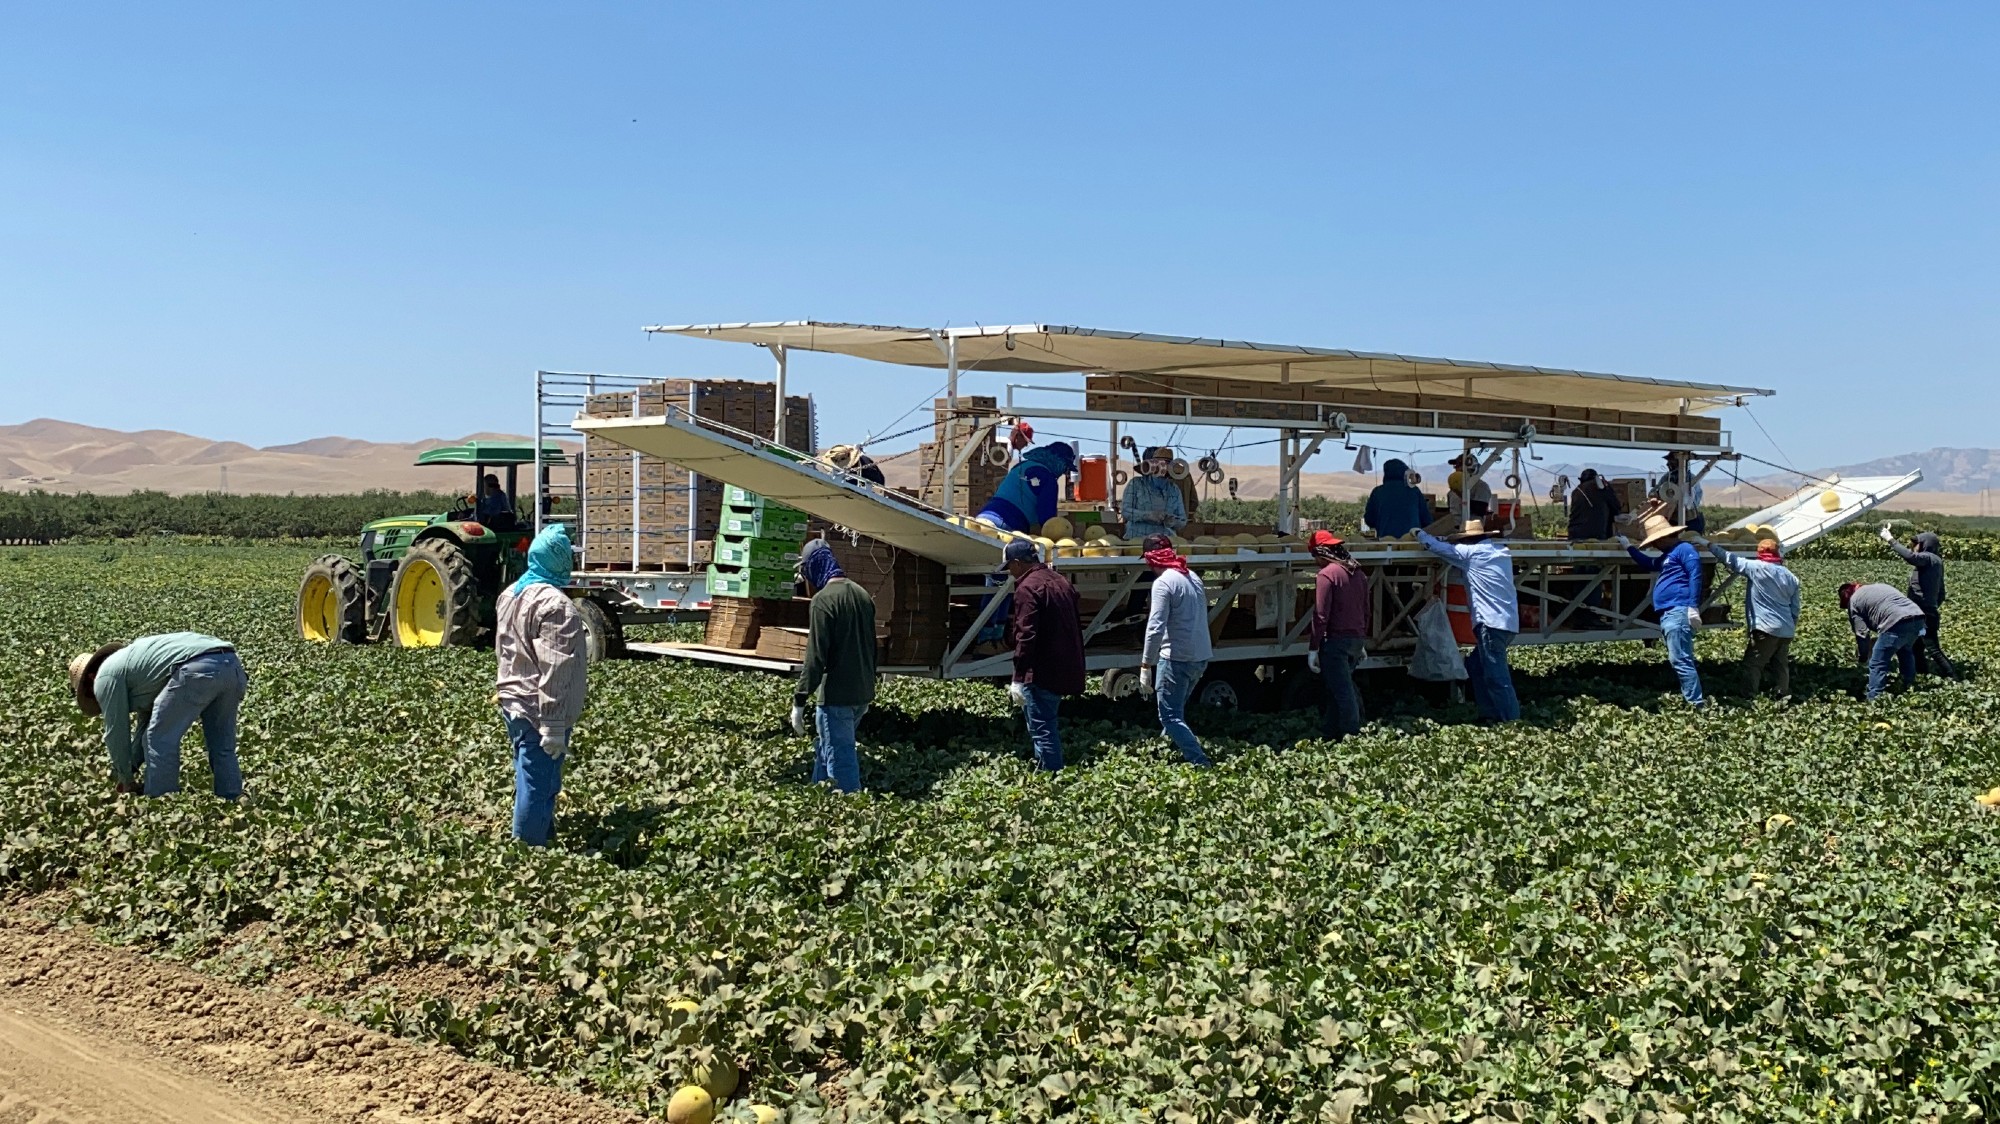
(1093, 479)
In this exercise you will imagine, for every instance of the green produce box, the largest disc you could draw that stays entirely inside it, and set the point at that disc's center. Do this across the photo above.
(772, 584)
(748, 500)
(757, 554)
(780, 524)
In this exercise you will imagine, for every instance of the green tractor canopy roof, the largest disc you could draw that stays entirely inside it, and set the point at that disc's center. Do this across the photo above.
(495, 453)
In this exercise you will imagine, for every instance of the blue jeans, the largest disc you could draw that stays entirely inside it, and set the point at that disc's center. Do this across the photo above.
(1340, 703)
(210, 688)
(1492, 680)
(1173, 682)
(1679, 625)
(1898, 642)
(1040, 707)
(835, 757)
(537, 780)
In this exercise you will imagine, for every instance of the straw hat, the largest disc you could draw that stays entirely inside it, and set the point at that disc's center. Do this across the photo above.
(1655, 527)
(1475, 529)
(83, 676)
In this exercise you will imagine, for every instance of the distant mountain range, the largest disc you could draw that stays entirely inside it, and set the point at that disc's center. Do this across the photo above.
(66, 457)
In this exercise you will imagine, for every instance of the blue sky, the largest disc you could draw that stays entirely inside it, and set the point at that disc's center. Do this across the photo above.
(272, 222)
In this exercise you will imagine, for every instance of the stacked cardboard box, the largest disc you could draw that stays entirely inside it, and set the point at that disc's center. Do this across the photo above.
(735, 622)
(912, 598)
(675, 509)
(979, 475)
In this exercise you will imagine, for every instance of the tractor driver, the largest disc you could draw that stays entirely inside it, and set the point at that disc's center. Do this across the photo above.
(493, 506)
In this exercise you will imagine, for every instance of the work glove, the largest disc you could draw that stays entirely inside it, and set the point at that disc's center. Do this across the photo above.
(1312, 662)
(798, 720)
(555, 743)
(1146, 682)
(1887, 536)
(1017, 695)
(1624, 542)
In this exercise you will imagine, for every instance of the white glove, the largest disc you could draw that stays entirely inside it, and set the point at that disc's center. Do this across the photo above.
(1624, 542)
(799, 721)
(1146, 681)
(555, 743)
(1888, 536)
(1312, 662)
(1017, 695)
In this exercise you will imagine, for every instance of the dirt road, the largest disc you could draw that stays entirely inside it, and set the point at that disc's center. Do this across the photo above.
(97, 1035)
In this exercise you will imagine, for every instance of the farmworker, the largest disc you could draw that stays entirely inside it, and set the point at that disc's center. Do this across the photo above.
(1048, 648)
(1925, 554)
(1482, 492)
(1676, 595)
(839, 665)
(150, 692)
(493, 506)
(1771, 611)
(1593, 508)
(1339, 633)
(1177, 650)
(1896, 624)
(538, 638)
(1496, 614)
(1152, 504)
(1027, 497)
(1395, 507)
(1679, 481)
(851, 460)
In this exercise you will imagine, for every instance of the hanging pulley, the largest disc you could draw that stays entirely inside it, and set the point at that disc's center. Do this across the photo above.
(1178, 469)
(1211, 469)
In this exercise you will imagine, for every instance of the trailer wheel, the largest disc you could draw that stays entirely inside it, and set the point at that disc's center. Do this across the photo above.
(1230, 686)
(604, 637)
(1120, 683)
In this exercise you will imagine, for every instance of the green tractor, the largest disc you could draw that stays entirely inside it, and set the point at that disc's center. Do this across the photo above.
(429, 581)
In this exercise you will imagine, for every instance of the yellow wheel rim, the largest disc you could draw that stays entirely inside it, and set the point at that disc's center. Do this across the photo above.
(319, 609)
(420, 620)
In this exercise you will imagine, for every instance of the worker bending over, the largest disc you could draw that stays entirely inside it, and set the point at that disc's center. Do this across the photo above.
(1676, 596)
(1496, 614)
(1339, 633)
(1028, 496)
(851, 460)
(1152, 503)
(150, 692)
(1395, 506)
(839, 666)
(1177, 649)
(1925, 554)
(1048, 648)
(539, 639)
(1895, 624)
(1771, 609)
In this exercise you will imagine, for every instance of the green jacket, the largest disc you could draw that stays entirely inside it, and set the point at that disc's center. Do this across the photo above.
(840, 647)
(131, 678)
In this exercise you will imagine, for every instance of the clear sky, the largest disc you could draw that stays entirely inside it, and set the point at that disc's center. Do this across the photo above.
(267, 222)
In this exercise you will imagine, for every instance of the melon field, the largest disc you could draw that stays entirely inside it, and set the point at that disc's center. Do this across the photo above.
(1616, 910)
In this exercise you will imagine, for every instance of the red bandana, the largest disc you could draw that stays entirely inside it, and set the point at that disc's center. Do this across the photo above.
(1166, 558)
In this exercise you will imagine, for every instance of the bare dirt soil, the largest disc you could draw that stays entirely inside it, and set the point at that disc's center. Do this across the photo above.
(96, 1035)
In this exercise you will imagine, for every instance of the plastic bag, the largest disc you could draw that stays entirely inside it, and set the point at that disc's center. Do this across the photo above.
(1437, 659)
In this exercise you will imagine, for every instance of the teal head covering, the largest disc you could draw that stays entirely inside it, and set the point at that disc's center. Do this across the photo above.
(549, 560)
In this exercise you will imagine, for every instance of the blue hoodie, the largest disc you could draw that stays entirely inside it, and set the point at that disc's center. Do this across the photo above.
(1027, 498)
(549, 560)
(1395, 508)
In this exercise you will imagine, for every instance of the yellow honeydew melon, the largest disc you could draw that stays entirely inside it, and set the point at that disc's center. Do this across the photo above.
(1058, 528)
(1067, 548)
(1096, 531)
(766, 1114)
(1829, 500)
(718, 1078)
(691, 1105)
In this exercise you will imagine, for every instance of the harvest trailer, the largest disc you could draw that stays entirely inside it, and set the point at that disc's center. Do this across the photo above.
(938, 567)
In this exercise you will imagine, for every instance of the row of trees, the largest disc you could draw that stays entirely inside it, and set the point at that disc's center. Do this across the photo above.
(41, 517)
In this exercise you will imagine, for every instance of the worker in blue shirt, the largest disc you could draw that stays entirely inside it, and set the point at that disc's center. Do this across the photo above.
(1395, 507)
(1152, 502)
(1676, 595)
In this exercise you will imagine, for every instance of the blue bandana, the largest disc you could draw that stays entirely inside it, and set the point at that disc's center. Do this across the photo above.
(549, 560)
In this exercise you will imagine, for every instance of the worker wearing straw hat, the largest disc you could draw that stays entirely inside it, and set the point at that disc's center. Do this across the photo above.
(1676, 593)
(1153, 503)
(150, 693)
(1496, 614)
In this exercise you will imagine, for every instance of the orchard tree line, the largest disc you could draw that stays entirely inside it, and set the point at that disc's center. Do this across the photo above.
(45, 517)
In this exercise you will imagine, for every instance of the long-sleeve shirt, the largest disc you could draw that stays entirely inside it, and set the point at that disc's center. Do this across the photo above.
(1395, 509)
(1489, 579)
(1048, 633)
(1153, 506)
(1177, 620)
(130, 679)
(1340, 603)
(840, 647)
(1772, 604)
(1679, 583)
(539, 640)
(1926, 575)
(1878, 608)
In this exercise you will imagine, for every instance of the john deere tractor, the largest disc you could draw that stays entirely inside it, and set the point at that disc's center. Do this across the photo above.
(427, 581)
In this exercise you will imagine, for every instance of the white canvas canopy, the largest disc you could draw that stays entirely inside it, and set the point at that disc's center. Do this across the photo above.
(1056, 349)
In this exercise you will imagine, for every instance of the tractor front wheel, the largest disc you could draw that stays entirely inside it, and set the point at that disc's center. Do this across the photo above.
(333, 602)
(434, 601)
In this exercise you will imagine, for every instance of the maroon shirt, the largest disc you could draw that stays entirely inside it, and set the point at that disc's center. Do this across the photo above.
(1340, 603)
(1048, 633)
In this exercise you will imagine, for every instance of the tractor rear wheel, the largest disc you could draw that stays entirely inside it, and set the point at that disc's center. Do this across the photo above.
(603, 638)
(333, 602)
(434, 601)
